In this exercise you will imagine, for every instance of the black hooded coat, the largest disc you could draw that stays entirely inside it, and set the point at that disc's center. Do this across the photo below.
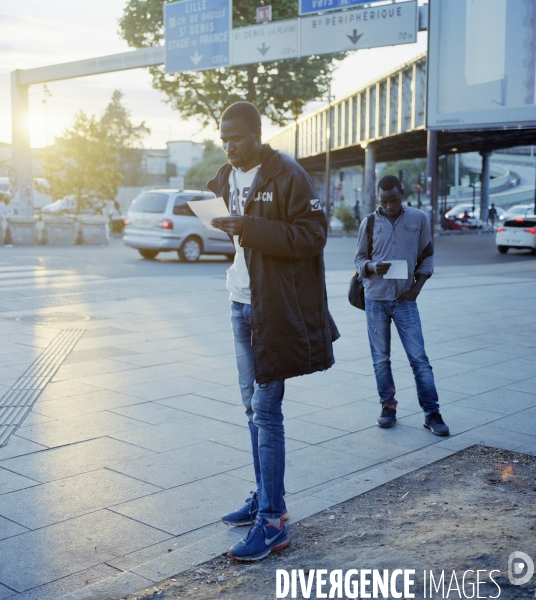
(284, 235)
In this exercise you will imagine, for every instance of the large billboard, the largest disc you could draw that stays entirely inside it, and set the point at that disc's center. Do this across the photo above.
(481, 64)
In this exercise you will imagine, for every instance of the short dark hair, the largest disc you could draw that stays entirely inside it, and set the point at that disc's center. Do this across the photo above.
(244, 111)
(388, 182)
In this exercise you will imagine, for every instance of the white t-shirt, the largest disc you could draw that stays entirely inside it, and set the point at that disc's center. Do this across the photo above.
(237, 274)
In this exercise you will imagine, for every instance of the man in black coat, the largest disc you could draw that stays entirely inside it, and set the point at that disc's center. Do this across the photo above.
(279, 313)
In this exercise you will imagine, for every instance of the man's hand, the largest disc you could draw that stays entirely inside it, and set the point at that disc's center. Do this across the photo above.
(410, 295)
(231, 225)
(380, 268)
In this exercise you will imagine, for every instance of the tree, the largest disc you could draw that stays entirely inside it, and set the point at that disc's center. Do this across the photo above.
(127, 137)
(88, 160)
(411, 171)
(83, 162)
(279, 89)
(213, 158)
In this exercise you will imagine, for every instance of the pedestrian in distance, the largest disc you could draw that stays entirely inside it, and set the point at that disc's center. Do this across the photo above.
(492, 216)
(399, 233)
(279, 314)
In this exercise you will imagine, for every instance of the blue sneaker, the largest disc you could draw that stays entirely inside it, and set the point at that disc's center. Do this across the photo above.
(247, 515)
(262, 539)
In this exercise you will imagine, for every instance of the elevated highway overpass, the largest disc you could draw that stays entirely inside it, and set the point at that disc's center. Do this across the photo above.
(385, 121)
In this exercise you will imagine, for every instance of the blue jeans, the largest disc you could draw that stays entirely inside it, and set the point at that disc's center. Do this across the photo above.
(408, 323)
(265, 418)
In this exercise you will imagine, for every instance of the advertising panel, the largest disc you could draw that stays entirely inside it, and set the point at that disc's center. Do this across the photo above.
(481, 64)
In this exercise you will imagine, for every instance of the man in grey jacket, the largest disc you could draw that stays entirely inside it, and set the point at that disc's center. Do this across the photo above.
(401, 234)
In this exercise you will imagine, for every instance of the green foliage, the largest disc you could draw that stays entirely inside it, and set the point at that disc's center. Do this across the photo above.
(279, 89)
(345, 214)
(127, 137)
(412, 169)
(213, 158)
(88, 160)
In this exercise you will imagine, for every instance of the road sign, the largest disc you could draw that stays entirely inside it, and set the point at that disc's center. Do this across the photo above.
(308, 7)
(385, 25)
(264, 13)
(197, 35)
(263, 43)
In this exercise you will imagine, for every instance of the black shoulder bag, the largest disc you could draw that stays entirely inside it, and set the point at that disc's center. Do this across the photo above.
(356, 291)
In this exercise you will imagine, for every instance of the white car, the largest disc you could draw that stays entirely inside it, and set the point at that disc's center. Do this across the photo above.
(161, 221)
(63, 206)
(519, 210)
(519, 233)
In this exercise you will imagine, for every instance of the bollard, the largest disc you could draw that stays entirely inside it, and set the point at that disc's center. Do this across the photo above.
(94, 231)
(21, 231)
(58, 231)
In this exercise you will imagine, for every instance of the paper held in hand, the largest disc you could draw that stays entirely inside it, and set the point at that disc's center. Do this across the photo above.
(397, 270)
(207, 210)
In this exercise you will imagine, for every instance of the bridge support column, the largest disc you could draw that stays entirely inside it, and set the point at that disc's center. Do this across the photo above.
(484, 187)
(431, 176)
(21, 155)
(369, 184)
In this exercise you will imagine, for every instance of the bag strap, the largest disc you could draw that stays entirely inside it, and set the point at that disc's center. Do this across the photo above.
(370, 228)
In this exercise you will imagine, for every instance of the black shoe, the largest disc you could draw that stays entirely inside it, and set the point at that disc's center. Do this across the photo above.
(387, 417)
(434, 422)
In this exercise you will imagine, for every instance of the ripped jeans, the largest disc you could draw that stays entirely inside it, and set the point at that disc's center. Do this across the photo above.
(265, 418)
(406, 318)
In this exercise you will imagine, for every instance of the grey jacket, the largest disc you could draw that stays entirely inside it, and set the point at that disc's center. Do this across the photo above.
(409, 239)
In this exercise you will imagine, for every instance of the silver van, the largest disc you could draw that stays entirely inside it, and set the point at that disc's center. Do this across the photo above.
(161, 221)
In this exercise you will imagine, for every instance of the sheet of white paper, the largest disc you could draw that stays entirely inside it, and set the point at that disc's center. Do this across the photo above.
(398, 269)
(207, 210)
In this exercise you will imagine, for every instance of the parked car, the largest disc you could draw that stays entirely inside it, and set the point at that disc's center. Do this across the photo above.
(161, 221)
(70, 206)
(519, 233)
(518, 210)
(458, 211)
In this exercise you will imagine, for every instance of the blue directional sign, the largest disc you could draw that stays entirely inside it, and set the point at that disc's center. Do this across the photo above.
(197, 34)
(308, 7)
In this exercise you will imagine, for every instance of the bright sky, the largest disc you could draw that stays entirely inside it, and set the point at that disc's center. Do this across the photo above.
(36, 33)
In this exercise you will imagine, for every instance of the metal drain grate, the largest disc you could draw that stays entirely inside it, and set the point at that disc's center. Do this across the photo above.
(18, 401)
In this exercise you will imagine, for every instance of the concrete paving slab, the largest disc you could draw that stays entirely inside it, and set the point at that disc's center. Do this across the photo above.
(311, 433)
(501, 400)
(243, 442)
(526, 385)
(77, 429)
(161, 549)
(78, 544)
(159, 389)
(10, 528)
(88, 368)
(335, 394)
(58, 501)
(10, 482)
(381, 445)
(193, 404)
(187, 507)
(65, 585)
(113, 587)
(19, 446)
(151, 413)
(178, 467)
(523, 421)
(471, 385)
(181, 433)
(103, 352)
(178, 561)
(77, 406)
(74, 459)
(63, 389)
(350, 417)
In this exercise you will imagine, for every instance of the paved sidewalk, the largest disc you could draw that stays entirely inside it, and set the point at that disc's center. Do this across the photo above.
(138, 444)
